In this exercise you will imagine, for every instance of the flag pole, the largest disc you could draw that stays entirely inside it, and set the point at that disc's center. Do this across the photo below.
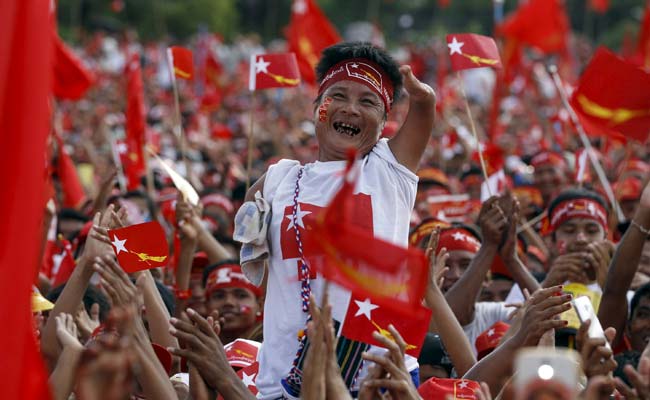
(552, 69)
(473, 127)
(121, 179)
(178, 126)
(249, 163)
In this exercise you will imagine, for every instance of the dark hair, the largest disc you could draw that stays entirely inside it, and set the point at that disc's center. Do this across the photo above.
(347, 50)
(91, 296)
(210, 268)
(167, 297)
(571, 194)
(472, 170)
(71, 213)
(643, 291)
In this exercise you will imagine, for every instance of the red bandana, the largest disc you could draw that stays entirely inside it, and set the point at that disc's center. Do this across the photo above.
(361, 71)
(578, 208)
(458, 239)
(548, 158)
(229, 276)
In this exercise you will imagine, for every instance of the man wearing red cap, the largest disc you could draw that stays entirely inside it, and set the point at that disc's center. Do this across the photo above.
(550, 174)
(237, 300)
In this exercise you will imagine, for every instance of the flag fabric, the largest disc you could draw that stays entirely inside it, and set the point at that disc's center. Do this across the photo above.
(72, 78)
(613, 96)
(495, 185)
(25, 87)
(141, 246)
(63, 264)
(542, 24)
(363, 317)
(181, 62)
(599, 6)
(133, 163)
(248, 376)
(444, 388)
(643, 46)
(308, 33)
(468, 50)
(268, 71)
(352, 257)
(73, 192)
(453, 207)
(183, 186)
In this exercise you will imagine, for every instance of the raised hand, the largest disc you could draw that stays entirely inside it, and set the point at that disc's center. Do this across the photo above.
(87, 323)
(417, 90)
(640, 379)
(66, 332)
(438, 261)
(492, 221)
(539, 314)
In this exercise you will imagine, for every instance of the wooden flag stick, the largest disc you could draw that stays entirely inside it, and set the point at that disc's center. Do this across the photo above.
(473, 127)
(249, 164)
(552, 69)
(121, 180)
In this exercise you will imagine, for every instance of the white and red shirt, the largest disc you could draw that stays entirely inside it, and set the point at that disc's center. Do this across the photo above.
(384, 196)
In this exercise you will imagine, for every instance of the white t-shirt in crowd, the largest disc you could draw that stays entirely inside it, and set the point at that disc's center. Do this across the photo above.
(486, 314)
(384, 198)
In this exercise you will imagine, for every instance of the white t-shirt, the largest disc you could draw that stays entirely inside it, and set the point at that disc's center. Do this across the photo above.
(384, 198)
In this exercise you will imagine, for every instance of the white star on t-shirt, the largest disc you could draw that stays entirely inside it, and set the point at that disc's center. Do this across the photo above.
(299, 7)
(454, 46)
(261, 65)
(463, 385)
(459, 236)
(119, 245)
(299, 215)
(365, 308)
(490, 332)
(249, 380)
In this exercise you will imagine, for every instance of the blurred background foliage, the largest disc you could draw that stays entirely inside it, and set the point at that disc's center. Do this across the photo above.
(400, 20)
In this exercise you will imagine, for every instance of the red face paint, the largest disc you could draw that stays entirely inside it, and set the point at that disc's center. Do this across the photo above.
(245, 310)
(322, 110)
(561, 247)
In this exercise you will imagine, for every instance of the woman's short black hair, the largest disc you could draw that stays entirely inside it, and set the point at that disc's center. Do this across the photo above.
(347, 50)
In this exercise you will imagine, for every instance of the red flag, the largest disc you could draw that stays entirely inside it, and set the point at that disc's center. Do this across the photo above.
(542, 24)
(248, 375)
(141, 246)
(643, 47)
(352, 257)
(180, 59)
(468, 50)
(363, 317)
(133, 163)
(65, 264)
(25, 87)
(454, 207)
(73, 192)
(599, 6)
(613, 96)
(308, 33)
(71, 78)
(269, 71)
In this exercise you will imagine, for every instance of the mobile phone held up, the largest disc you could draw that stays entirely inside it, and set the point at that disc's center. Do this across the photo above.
(585, 312)
(546, 373)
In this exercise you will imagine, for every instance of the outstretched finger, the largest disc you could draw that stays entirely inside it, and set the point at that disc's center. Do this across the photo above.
(202, 323)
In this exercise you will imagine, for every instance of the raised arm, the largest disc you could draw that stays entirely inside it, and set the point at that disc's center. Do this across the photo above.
(462, 296)
(508, 253)
(412, 138)
(613, 304)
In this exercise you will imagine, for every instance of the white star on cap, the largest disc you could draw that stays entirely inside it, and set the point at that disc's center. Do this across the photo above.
(354, 65)
(459, 236)
(249, 380)
(365, 308)
(490, 332)
(454, 46)
(299, 215)
(463, 385)
(119, 245)
(261, 65)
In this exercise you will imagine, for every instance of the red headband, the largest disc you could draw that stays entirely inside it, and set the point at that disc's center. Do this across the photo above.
(458, 239)
(229, 276)
(578, 208)
(361, 71)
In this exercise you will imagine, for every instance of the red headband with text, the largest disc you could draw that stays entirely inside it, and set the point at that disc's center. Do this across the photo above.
(229, 276)
(578, 208)
(361, 71)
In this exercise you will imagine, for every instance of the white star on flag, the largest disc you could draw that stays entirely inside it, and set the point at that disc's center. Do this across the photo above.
(299, 7)
(299, 215)
(454, 46)
(119, 245)
(365, 308)
(249, 380)
(261, 65)
(463, 385)
(459, 236)
(490, 332)
(122, 148)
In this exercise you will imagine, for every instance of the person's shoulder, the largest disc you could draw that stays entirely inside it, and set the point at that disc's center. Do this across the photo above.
(382, 152)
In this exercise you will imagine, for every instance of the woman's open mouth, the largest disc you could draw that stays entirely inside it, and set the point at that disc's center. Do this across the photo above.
(346, 129)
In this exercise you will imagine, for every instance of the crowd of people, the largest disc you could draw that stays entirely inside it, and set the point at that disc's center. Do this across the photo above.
(238, 312)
